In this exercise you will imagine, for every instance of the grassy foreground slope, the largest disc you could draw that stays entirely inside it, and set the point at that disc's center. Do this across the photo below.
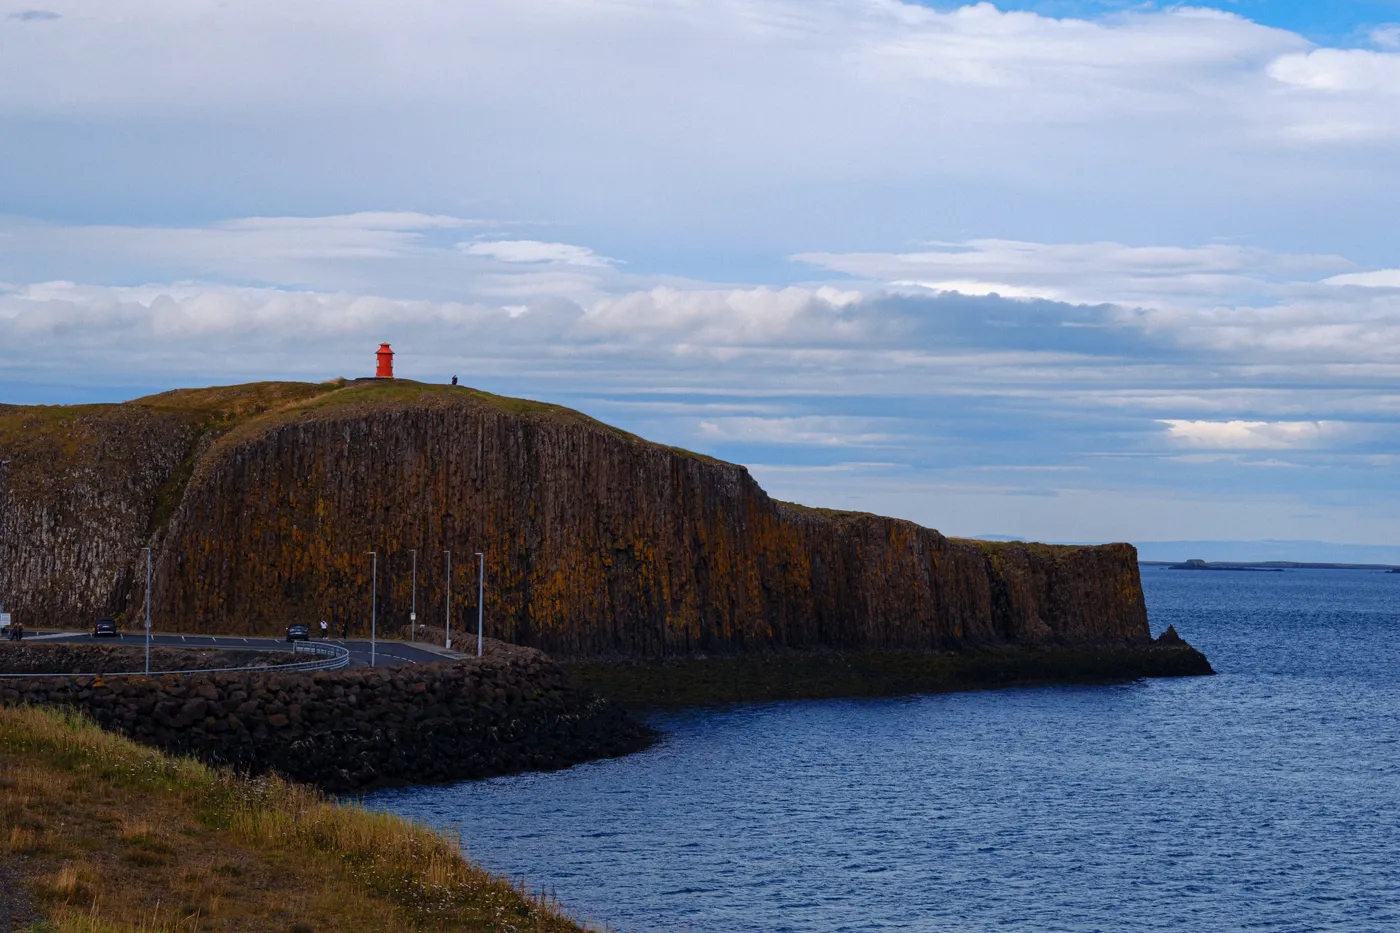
(106, 836)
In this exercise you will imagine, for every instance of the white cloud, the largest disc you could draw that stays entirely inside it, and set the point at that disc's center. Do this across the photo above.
(828, 116)
(1380, 278)
(810, 431)
(1218, 297)
(535, 251)
(688, 320)
(406, 254)
(1260, 435)
(725, 317)
(973, 287)
(1297, 309)
(1359, 70)
(272, 247)
(360, 221)
(1083, 272)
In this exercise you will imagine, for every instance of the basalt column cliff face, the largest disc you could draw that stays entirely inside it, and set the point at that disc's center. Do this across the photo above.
(83, 488)
(78, 488)
(597, 543)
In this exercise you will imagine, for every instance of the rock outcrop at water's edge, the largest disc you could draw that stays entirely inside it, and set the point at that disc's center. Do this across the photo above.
(598, 544)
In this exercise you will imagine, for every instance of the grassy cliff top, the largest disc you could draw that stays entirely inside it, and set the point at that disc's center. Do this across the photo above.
(992, 549)
(235, 403)
(244, 410)
(997, 548)
(240, 404)
(249, 410)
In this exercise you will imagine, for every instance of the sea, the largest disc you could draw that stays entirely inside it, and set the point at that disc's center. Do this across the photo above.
(1266, 798)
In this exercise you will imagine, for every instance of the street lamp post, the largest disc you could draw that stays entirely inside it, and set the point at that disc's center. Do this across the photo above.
(480, 592)
(373, 604)
(447, 637)
(148, 608)
(413, 609)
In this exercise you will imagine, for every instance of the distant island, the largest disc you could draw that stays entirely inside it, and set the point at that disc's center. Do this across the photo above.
(1272, 566)
(1197, 564)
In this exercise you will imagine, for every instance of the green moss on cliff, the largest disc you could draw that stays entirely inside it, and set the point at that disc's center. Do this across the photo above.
(61, 426)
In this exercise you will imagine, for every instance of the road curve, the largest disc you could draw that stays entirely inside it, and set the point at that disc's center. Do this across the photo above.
(385, 653)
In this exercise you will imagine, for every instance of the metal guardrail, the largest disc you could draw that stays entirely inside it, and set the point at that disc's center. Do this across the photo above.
(326, 657)
(331, 657)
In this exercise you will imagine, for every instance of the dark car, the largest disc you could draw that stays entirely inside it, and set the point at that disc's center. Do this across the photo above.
(105, 628)
(298, 633)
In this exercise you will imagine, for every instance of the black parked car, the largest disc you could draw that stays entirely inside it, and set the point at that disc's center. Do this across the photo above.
(298, 633)
(105, 628)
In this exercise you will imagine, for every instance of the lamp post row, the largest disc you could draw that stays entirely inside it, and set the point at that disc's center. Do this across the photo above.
(413, 611)
(374, 604)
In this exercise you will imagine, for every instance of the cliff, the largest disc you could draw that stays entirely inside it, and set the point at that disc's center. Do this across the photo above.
(261, 503)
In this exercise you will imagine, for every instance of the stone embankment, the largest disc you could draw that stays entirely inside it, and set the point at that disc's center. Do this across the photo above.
(360, 728)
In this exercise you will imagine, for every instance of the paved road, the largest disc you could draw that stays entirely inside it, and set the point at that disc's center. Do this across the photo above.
(386, 653)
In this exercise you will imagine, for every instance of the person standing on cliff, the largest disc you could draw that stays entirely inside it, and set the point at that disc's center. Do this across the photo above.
(454, 380)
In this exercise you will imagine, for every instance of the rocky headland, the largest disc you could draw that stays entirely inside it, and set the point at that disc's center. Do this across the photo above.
(261, 502)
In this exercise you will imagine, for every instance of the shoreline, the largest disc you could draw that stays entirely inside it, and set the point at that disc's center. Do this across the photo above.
(828, 674)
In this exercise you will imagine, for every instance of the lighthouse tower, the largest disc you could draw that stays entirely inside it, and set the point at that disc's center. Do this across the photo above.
(386, 362)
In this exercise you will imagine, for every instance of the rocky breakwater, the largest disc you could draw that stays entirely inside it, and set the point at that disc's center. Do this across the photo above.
(360, 728)
(104, 659)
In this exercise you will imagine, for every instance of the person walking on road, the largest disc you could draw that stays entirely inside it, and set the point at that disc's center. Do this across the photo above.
(324, 630)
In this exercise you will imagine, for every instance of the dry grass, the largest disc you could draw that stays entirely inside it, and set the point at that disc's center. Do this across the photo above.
(112, 836)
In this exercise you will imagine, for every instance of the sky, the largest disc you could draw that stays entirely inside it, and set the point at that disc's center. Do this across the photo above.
(1056, 269)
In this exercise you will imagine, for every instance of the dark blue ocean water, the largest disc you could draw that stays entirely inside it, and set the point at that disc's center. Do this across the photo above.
(1266, 798)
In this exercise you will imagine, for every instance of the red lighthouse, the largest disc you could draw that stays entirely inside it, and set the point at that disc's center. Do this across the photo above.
(386, 362)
